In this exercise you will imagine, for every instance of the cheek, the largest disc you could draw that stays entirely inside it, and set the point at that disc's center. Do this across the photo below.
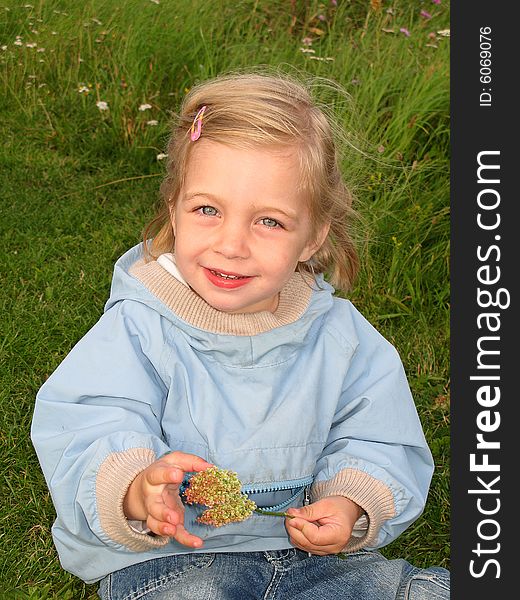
(189, 243)
(280, 260)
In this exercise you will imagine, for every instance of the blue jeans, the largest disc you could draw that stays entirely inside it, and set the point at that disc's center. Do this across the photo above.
(276, 575)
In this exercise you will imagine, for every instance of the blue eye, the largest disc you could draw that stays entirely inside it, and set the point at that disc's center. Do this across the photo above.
(209, 211)
(270, 223)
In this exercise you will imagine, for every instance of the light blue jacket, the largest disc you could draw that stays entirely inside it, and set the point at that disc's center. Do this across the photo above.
(320, 402)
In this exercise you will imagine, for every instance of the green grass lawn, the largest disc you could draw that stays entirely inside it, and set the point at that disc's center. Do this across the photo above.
(79, 183)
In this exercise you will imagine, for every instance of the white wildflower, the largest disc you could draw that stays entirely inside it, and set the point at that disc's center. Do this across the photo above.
(444, 32)
(102, 105)
(152, 123)
(40, 50)
(321, 58)
(18, 42)
(162, 156)
(83, 89)
(4, 47)
(31, 45)
(144, 107)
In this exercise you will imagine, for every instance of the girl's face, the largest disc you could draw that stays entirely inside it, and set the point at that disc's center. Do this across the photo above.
(241, 225)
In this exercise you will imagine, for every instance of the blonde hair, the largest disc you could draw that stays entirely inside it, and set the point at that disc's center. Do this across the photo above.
(254, 110)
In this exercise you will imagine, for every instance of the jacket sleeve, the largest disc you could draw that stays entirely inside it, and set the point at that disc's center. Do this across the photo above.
(96, 425)
(376, 453)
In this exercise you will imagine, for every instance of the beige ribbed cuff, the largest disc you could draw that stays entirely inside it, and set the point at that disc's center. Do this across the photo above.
(114, 477)
(374, 497)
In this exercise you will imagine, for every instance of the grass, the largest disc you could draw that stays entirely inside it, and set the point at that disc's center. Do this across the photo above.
(78, 185)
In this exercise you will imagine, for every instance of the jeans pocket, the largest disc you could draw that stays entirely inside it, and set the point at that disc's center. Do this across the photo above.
(139, 580)
(429, 584)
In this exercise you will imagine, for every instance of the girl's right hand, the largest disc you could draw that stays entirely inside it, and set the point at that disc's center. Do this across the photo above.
(153, 496)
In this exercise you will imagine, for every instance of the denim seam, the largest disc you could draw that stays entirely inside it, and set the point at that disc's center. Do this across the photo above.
(276, 579)
(422, 576)
(152, 586)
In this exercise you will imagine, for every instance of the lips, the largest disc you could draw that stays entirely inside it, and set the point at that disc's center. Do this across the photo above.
(227, 275)
(225, 279)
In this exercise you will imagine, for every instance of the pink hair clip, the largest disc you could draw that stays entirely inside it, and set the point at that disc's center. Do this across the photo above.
(196, 126)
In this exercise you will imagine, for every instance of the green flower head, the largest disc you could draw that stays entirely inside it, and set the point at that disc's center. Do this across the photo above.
(220, 491)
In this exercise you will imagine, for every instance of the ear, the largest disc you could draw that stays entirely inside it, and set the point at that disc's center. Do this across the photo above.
(315, 243)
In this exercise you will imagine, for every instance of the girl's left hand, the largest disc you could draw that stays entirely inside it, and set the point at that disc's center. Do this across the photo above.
(323, 527)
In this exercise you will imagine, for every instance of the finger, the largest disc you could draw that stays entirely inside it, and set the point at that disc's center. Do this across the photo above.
(157, 509)
(306, 529)
(304, 545)
(187, 539)
(304, 512)
(324, 510)
(324, 540)
(160, 527)
(171, 497)
(300, 541)
(186, 462)
(163, 474)
(324, 535)
(165, 521)
(311, 549)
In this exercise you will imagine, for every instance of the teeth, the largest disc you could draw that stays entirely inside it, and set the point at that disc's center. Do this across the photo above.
(224, 276)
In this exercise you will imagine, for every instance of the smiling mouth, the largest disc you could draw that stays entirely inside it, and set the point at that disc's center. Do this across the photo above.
(228, 275)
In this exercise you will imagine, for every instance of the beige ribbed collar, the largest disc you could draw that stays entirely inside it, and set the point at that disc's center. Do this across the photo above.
(187, 305)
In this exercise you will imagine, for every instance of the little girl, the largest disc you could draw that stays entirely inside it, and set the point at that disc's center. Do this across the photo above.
(222, 344)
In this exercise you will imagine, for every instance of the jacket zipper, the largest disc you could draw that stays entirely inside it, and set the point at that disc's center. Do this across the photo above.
(301, 484)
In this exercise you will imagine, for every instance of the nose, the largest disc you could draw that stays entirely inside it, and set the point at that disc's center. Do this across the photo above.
(231, 240)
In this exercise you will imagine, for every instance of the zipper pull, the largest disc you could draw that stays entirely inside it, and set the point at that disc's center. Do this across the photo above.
(307, 501)
(306, 496)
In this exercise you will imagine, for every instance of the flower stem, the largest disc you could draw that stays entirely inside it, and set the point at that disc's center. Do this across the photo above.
(272, 513)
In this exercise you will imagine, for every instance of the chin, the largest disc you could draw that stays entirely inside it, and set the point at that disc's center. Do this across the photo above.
(229, 307)
(234, 307)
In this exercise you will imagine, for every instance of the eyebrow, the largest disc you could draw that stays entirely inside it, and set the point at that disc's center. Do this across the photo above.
(268, 209)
